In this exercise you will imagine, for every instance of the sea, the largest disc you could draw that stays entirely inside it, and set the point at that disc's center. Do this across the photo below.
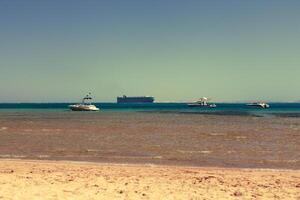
(276, 109)
(231, 135)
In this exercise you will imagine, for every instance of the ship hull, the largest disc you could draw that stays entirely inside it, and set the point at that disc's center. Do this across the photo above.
(135, 99)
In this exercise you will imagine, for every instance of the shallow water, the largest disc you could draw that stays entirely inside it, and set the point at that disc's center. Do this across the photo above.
(175, 138)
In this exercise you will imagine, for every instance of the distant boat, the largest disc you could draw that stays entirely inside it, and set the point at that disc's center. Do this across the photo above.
(138, 99)
(258, 105)
(202, 102)
(85, 105)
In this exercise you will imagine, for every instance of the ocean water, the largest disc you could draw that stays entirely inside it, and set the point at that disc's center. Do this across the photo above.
(239, 109)
(231, 135)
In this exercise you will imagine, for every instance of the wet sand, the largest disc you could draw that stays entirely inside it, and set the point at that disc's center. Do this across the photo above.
(69, 180)
(158, 138)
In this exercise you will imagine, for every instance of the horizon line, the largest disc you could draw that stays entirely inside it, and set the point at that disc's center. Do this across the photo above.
(36, 102)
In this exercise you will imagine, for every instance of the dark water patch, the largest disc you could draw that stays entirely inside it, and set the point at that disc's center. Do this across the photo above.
(294, 115)
(34, 105)
(220, 113)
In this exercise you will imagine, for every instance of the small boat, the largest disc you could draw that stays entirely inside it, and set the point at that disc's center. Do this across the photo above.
(259, 105)
(202, 102)
(85, 105)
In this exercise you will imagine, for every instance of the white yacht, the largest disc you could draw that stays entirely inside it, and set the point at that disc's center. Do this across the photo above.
(85, 105)
(202, 102)
(259, 105)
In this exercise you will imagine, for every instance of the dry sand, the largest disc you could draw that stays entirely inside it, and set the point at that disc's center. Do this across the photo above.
(21, 179)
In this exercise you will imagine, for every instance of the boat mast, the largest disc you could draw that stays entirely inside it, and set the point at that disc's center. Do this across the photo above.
(87, 97)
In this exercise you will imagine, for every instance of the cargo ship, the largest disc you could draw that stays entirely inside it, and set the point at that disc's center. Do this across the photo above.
(140, 99)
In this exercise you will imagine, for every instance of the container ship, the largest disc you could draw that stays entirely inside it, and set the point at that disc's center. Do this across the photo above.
(140, 99)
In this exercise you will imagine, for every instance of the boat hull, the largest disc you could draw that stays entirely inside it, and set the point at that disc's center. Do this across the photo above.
(202, 106)
(258, 105)
(83, 108)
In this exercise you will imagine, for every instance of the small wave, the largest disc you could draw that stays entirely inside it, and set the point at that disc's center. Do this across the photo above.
(92, 150)
(240, 137)
(157, 157)
(12, 156)
(280, 161)
(217, 134)
(43, 156)
(204, 152)
(3, 128)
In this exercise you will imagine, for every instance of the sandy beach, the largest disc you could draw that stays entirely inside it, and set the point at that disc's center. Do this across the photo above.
(21, 179)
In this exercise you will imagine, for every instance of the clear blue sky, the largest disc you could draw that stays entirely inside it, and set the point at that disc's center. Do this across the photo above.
(175, 50)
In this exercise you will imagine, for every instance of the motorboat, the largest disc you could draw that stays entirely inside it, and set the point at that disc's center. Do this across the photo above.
(259, 105)
(85, 105)
(202, 102)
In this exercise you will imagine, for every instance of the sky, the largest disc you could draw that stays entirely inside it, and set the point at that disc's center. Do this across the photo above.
(174, 50)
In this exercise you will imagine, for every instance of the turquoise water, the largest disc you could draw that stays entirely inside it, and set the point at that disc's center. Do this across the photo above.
(276, 109)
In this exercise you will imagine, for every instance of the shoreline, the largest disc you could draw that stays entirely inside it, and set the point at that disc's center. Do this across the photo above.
(150, 165)
(36, 179)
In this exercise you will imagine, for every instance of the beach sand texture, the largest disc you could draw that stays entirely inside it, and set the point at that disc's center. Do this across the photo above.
(69, 180)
